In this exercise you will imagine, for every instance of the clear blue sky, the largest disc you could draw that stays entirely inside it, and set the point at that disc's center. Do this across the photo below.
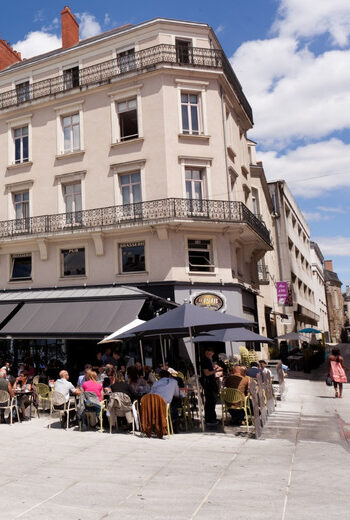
(293, 60)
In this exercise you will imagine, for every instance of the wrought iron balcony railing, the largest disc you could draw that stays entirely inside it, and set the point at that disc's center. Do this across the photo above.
(141, 213)
(141, 61)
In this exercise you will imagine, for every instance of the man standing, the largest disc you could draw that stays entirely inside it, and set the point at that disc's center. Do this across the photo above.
(210, 387)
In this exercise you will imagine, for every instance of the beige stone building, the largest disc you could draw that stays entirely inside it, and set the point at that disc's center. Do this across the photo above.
(335, 304)
(124, 161)
(317, 263)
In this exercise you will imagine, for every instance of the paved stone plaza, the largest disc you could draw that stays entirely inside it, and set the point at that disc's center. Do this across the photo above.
(293, 472)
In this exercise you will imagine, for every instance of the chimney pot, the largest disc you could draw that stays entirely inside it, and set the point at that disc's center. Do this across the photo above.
(70, 28)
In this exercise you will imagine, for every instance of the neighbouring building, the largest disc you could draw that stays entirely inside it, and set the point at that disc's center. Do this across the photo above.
(293, 257)
(334, 302)
(317, 264)
(124, 160)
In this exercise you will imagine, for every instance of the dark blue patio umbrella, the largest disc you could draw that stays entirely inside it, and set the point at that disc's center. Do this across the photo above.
(235, 334)
(310, 330)
(185, 321)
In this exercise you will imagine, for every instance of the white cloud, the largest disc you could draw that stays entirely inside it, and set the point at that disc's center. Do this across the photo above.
(328, 209)
(316, 216)
(294, 94)
(37, 42)
(107, 19)
(333, 246)
(312, 169)
(307, 18)
(89, 26)
(220, 29)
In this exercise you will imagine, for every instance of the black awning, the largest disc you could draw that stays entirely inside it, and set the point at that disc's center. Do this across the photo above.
(5, 310)
(67, 319)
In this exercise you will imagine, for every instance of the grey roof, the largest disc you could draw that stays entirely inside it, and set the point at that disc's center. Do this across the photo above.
(330, 276)
(93, 39)
(97, 293)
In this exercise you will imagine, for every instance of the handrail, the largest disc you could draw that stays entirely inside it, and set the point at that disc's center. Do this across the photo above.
(140, 61)
(140, 213)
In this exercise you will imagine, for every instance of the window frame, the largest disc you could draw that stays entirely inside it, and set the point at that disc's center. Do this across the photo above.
(71, 127)
(12, 258)
(127, 169)
(20, 139)
(118, 97)
(26, 91)
(129, 137)
(120, 246)
(74, 79)
(189, 105)
(212, 252)
(198, 88)
(12, 125)
(66, 111)
(77, 247)
(130, 65)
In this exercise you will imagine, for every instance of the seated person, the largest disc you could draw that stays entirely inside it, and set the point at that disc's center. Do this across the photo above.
(135, 382)
(82, 376)
(254, 370)
(110, 376)
(23, 382)
(149, 376)
(91, 385)
(168, 388)
(120, 385)
(139, 368)
(65, 387)
(238, 380)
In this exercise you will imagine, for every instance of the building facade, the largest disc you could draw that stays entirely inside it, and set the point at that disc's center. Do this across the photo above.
(125, 161)
(293, 256)
(334, 302)
(317, 263)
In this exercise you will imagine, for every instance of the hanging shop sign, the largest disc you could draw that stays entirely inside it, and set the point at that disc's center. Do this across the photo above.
(210, 301)
(284, 294)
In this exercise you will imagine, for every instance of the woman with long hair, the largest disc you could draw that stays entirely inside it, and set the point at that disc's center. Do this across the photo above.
(336, 370)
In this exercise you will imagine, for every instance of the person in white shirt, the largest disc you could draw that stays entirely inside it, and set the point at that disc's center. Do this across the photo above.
(264, 368)
(166, 387)
(64, 386)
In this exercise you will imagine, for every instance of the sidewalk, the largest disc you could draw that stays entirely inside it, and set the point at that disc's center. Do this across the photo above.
(298, 469)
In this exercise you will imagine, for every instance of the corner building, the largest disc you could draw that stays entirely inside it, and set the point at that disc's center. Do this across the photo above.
(124, 160)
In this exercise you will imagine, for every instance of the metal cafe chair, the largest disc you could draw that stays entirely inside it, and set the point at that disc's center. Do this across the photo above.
(233, 398)
(59, 405)
(8, 403)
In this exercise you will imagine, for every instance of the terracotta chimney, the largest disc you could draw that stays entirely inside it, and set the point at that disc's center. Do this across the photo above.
(70, 28)
(328, 265)
(8, 56)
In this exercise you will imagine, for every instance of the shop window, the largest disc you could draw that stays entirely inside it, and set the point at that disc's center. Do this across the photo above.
(200, 256)
(132, 257)
(73, 262)
(21, 267)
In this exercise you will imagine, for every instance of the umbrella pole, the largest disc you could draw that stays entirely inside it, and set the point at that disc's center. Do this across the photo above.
(161, 349)
(231, 349)
(142, 359)
(200, 404)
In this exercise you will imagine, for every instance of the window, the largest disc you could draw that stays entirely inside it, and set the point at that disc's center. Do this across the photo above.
(71, 78)
(73, 262)
(23, 93)
(21, 141)
(200, 256)
(131, 188)
(194, 184)
(132, 257)
(72, 202)
(190, 113)
(183, 50)
(21, 204)
(126, 60)
(21, 267)
(255, 202)
(71, 133)
(127, 115)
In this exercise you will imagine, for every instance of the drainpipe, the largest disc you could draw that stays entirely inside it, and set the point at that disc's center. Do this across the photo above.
(225, 144)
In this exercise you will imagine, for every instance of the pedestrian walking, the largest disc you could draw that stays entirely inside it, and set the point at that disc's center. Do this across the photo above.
(336, 371)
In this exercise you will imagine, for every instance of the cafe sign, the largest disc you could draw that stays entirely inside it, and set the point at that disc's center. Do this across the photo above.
(210, 301)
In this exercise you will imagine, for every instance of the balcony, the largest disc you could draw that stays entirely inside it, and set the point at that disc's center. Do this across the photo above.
(141, 61)
(139, 214)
